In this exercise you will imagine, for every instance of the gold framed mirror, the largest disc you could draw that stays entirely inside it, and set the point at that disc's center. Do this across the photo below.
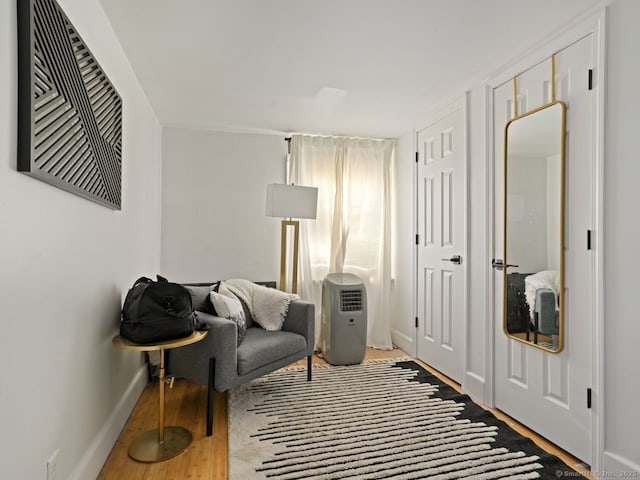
(533, 268)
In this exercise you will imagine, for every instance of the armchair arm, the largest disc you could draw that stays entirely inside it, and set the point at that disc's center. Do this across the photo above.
(300, 319)
(192, 361)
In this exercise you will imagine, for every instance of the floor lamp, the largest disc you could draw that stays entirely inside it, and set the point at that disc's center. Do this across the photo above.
(289, 202)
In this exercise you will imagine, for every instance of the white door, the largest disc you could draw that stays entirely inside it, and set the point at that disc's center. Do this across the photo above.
(441, 266)
(545, 391)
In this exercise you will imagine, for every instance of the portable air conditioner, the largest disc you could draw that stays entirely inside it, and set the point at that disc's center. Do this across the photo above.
(344, 319)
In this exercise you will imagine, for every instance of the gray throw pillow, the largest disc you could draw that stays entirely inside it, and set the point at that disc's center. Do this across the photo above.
(248, 318)
(200, 300)
(228, 306)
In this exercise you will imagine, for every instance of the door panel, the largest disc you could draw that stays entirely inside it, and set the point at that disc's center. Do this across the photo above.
(428, 301)
(545, 391)
(440, 173)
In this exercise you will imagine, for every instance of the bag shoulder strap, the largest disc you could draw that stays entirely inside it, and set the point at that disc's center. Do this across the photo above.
(142, 280)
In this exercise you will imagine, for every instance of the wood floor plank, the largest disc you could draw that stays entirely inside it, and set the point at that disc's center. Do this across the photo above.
(140, 420)
(173, 398)
(185, 415)
(220, 470)
(206, 457)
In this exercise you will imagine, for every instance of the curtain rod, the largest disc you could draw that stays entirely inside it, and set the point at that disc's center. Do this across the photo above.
(288, 139)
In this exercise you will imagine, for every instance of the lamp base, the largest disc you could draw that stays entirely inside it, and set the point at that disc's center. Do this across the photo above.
(146, 448)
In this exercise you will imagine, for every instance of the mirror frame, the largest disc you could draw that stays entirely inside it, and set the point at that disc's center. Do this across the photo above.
(562, 229)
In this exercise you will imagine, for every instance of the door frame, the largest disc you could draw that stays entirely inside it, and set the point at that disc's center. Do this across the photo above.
(594, 23)
(461, 103)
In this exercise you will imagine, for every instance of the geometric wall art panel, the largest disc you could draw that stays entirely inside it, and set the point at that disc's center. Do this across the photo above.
(69, 113)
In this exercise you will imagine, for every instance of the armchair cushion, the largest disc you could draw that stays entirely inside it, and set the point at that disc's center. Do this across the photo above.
(218, 362)
(261, 347)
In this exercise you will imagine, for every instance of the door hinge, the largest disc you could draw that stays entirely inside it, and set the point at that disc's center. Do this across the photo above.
(417, 239)
(416, 157)
(589, 240)
(590, 79)
(588, 398)
(416, 322)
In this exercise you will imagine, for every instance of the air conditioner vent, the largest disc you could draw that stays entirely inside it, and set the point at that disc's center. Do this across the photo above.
(350, 300)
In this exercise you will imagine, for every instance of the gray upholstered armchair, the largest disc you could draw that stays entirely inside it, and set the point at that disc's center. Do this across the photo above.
(217, 361)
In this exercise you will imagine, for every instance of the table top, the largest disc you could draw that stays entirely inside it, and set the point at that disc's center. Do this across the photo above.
(126, 344)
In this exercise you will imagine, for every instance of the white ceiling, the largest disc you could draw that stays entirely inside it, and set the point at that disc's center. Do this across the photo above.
(353, 67)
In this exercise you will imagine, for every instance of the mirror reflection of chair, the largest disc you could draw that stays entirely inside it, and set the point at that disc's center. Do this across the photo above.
(545, 314)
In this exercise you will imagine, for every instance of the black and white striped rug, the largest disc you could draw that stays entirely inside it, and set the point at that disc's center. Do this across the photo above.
(382, 420)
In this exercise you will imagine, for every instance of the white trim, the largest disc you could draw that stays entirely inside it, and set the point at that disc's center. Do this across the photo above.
(458, 104)
(597, 371)
(474, 386)
(572, 32)
(403, 341)
(415, 247)
(226, 129)
(462, 104)
(98, 451)
(489, 392)
(614, 465)
(465, 248)
(594, 23)
(414, 250)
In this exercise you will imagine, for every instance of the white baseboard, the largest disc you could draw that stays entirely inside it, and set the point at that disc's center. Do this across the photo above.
(614, 465)
(403, 342)
(96, 454)
(473, 385)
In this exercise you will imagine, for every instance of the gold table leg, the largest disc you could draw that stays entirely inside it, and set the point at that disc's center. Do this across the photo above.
(163, 442)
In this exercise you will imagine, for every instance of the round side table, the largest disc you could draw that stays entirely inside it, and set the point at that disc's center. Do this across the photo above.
(163, 442)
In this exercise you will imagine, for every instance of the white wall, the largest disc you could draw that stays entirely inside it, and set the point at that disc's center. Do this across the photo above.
(621, 234)
(402, 300)
(213, 205)
(65, 263)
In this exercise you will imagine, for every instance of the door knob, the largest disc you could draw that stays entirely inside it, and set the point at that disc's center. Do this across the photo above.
(457, 259)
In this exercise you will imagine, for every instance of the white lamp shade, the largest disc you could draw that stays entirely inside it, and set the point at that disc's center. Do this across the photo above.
(291, 201)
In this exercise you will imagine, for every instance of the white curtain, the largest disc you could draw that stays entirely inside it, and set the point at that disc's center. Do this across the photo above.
(352, 231)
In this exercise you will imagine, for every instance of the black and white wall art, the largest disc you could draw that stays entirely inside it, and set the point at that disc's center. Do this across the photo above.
(69, 113)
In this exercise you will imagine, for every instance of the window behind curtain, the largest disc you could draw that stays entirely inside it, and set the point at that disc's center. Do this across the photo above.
(352, 230)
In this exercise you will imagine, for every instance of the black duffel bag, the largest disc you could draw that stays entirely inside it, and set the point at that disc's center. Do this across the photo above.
(156, 311)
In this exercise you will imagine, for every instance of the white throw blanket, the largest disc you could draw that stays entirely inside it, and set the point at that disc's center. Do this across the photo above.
(268, 306)
(545, 279)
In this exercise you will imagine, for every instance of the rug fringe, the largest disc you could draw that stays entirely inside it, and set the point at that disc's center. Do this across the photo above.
(371, 361)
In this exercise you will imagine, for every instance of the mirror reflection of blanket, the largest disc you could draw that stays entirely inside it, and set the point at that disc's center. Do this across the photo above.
(549, 279)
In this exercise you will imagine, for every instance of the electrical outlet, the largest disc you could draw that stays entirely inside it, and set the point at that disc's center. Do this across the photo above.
(52, 466)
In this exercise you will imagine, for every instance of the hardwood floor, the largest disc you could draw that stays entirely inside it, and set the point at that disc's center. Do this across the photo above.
(206, 457)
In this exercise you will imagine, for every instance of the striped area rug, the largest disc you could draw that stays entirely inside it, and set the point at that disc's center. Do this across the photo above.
(382, 420)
